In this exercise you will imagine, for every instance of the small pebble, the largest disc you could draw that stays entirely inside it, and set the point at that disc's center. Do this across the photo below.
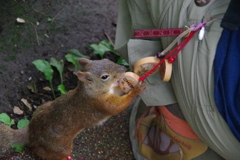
(20, 20)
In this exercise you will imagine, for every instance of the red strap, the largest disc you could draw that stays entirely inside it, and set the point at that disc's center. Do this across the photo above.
(154, 33)
(167, 32)
(174, 53)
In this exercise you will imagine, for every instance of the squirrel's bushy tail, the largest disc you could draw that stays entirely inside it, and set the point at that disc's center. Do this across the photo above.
(9, 136)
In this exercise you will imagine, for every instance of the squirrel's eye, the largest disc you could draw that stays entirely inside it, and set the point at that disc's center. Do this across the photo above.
(104, 77)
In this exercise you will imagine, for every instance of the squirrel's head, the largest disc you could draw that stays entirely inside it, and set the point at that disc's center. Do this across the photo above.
(99, 75)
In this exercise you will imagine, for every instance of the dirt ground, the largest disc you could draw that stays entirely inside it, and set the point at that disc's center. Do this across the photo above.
(52, 28)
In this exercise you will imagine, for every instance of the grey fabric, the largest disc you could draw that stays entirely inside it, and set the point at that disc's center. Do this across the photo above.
(192, 80)
(137, 111)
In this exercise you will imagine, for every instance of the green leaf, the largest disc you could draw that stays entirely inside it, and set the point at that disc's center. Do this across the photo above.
(77, 54)
(62, 89)
(18, 147)
(73, 60)
(49, 19)
(6, 119)
(23, 123)
(73, 56)
(122, 61)
(45, 67)
(59, 65)
(107, 44)
(12, 122)
(103, 47)
(99, 49)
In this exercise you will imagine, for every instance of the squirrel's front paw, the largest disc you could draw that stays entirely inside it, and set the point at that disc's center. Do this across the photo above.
(140, 87)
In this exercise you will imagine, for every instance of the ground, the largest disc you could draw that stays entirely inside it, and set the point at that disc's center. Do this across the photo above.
(51, 29)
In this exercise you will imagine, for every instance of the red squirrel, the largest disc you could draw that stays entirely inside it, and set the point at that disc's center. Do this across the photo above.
(56, 123)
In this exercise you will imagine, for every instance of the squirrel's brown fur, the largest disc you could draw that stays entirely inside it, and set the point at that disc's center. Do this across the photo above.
(55, 124)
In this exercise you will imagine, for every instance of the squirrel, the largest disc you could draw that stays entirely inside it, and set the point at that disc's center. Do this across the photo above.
(55, 124)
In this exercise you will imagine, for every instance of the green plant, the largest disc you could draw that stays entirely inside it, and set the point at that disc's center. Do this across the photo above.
(73, 56)
(6, 119)
(105, 46)
(49, 19)
(45, 67)
(18, 147)
(59, 65)
(102, 47)
(21, 124)
(122, 61)
(99, 49)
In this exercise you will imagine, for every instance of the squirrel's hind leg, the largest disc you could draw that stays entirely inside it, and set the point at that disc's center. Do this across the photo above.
(52, 155)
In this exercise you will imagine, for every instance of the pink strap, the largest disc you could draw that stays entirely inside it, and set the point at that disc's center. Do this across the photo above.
(154, 33)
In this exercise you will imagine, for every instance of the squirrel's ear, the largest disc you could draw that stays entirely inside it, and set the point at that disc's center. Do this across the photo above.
(83, 61)
(84, 76)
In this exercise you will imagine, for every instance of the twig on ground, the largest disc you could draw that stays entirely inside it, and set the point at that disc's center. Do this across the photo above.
(57, 15)
(109, 38)
(39, 12)
(36, 34)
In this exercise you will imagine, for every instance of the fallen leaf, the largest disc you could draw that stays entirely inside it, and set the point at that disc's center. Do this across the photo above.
(32, 86)
(27, 104)
(17, 110)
